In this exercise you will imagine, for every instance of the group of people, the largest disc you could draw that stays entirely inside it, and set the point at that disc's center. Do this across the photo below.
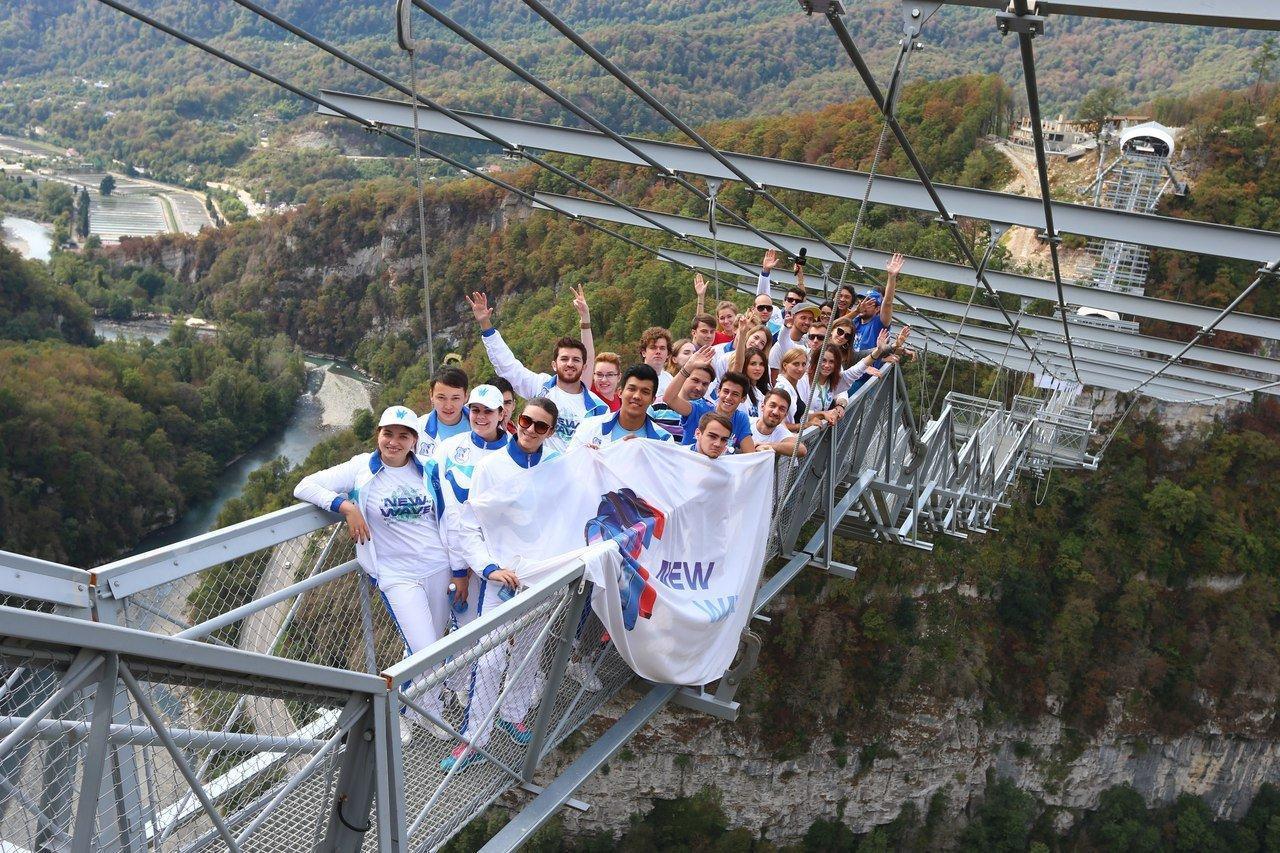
(759, 381)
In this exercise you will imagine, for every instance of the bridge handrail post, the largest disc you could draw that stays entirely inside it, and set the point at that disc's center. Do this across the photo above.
(551, 685)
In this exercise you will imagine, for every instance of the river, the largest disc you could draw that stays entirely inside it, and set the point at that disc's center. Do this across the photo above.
(32, 240)
(304, 430)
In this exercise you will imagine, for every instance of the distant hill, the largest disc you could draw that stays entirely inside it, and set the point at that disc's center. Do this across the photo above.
(169, 107)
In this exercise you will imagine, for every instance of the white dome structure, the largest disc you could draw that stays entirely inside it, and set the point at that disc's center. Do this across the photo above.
(1150, 137)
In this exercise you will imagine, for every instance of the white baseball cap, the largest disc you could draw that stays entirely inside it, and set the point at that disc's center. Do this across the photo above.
(487, 396)
(399, 416)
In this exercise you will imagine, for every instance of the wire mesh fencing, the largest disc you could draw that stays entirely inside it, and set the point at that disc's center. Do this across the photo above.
(474, 723)
(115, 752)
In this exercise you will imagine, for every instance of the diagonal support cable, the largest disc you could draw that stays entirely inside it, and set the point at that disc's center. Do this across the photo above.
(657, 105)
(1027, 25)
(418, 98)
(497, 56)
(832, 14)
(376, 127)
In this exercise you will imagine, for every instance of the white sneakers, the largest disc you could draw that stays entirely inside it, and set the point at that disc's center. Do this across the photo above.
(408, 726)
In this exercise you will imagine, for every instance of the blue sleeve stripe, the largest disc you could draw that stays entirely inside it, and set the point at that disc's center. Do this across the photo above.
(337, 503)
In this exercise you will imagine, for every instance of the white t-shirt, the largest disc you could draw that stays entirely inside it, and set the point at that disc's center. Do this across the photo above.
(780, 433)
(799, 394)
(401, 517)
(781, 348)
(664, 379)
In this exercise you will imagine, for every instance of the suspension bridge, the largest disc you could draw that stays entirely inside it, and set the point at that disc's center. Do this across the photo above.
(240, 690)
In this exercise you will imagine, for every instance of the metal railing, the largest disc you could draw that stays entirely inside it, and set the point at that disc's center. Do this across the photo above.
(243, 689)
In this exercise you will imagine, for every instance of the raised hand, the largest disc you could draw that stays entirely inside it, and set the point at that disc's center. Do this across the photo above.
(770, 260)
(480, 308)
(699, 285)
(902, 337)
(701, 358)
(882, 340)
(580, 303)
(895, 264)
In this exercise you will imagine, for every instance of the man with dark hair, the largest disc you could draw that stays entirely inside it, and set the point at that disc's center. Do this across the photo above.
(639, 386)
(770, 431)
(508, 402)
(448, 415)
(655, 349)
(733, 390)
(702, 330)
(713, 435)
(564, 386)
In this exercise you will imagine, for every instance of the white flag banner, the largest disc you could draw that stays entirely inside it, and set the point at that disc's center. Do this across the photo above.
(691, 534)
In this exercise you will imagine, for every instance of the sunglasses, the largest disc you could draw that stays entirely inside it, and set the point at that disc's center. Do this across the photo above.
(791, 300)
(538, 427)
(817, 337)
(841, 332)
(764, 307)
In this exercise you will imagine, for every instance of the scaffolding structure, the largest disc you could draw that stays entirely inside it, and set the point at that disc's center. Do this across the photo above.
(1134, 183)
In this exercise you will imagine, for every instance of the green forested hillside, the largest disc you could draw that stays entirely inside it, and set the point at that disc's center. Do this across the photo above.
(99, 444)
(183, 114)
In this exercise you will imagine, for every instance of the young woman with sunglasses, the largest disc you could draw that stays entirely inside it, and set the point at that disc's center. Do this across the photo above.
(503, 473)
(840, 337)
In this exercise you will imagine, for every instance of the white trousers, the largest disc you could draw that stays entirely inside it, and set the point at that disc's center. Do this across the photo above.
(499, 665)
(419, 607)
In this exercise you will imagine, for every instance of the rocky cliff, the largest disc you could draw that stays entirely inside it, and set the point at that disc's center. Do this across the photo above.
(948, 749)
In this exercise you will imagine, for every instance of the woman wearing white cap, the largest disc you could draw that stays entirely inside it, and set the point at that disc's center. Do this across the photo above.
(455, 461)
(392, 505)
(503, 473)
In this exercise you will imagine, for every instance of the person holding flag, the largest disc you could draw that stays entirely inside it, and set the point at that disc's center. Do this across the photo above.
(501, 473)
(639, 387)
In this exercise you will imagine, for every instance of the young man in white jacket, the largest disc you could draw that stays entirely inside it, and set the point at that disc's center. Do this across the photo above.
(393, 507)
(448, 415)
(639, 387)
(565, 387)
(502, 473)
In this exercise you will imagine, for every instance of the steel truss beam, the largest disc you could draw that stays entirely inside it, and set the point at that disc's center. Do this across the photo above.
(1120, 364)
(1245, 14)
(1160, 231)
(1041, 325)
(1080, 332)
(1017, 360)
(1016, 285)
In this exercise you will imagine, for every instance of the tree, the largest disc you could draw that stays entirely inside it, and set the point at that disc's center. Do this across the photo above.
(82, 213)
(1099, 105)
(56, 199)
(107, 186)
(1264, 58)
